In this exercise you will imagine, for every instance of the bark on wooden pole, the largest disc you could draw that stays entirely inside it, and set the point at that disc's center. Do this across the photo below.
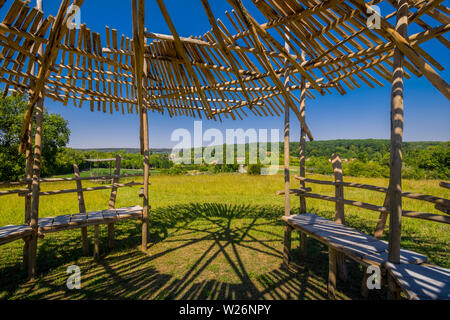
(81, 208)
(146, 179)
(303, 236)
(112, 201)
(287, 195)
(28, 198)
(395, 180)
(35, 189)
(339, 209)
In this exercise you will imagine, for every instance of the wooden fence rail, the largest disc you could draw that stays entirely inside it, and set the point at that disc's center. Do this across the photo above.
(433, 199)
(48, 180)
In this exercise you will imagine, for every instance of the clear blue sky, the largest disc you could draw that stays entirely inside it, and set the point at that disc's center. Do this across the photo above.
(362, 113)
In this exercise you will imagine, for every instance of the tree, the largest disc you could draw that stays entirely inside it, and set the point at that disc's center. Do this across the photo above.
(55, 133)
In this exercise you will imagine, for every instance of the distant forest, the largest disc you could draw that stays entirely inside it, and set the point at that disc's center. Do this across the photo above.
(366, 158)
(370, 158)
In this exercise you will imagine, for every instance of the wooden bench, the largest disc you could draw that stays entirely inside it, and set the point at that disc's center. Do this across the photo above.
(369, 251)
(71, 221)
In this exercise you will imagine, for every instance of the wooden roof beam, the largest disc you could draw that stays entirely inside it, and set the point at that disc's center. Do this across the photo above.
(57, 32)
(229, 56)
(404, 46)
(237, 4)
(182, 52)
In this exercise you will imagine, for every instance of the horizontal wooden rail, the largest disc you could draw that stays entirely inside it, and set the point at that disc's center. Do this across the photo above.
(416, 196)
(8, 192)
(55, 192)
(368, 206)
(48, 180)
(444, 184)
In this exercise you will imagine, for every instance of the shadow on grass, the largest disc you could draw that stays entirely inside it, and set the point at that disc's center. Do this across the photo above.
(197, 251)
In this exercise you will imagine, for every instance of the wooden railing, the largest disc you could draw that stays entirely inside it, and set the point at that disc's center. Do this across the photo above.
(24, 192)
(441, 204)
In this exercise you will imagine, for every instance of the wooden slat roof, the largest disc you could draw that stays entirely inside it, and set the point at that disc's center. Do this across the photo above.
(229, 71)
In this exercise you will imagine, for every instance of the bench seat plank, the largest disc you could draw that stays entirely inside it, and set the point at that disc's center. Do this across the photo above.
(11, 233)
(110, 214)
(406, 256)
(421, 282)
(95, 216)
(78, 219)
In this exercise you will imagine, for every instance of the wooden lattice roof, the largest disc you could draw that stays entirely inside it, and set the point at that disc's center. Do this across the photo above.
(232, 70)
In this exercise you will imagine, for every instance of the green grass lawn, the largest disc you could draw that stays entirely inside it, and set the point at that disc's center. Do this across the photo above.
(211, 237)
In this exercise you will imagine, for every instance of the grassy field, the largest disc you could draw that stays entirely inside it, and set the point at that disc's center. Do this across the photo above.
(212, 236)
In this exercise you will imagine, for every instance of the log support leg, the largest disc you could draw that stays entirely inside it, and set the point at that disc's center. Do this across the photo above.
(85, 241)
(394, 291)
(111, 235)
(342, 267)
(287, 245)
(303, 244)
(96, 242)
(332, 269)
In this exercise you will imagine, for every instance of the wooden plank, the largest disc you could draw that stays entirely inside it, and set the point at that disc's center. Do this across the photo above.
(57, 32)
(60, 221)
(95, 216)
(421, 282)
(82, 208)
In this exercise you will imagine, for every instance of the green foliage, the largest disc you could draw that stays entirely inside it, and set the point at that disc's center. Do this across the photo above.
(55, 133)
(254, 169)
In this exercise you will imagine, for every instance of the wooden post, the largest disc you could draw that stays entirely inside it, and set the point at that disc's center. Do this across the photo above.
(96, 242)
(112, 201)
(28, 198)
(303, 240)
(287, 195)
(379, 229)
(35, 189)
(146, 178)
(81, 208)
(395, 180)
(339, 188)
(332, 273)
(339, 209)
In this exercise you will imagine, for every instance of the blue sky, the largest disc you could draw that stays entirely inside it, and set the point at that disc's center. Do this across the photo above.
(362, 113)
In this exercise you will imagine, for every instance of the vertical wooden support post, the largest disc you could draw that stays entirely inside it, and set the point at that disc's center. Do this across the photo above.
(36, 189)
(339, 188)
(81, 208)
(96, 242)
(146, 178)
(112, 201)
(379, 229)
(395, 180)
(339, 209)
(303, 237)
(28, 198)
(287, 193)
(332, 257)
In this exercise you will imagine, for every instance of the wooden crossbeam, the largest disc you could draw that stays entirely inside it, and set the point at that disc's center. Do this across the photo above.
(182, 52)
(405, 47)
(265, 60)
(57, 32)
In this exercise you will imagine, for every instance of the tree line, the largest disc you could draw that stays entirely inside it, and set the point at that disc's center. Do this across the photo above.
(368, 158)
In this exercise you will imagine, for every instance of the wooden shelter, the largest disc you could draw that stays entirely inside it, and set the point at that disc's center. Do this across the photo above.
(236, 68)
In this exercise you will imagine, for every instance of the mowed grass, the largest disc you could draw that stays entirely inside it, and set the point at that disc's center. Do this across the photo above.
(211, 237)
